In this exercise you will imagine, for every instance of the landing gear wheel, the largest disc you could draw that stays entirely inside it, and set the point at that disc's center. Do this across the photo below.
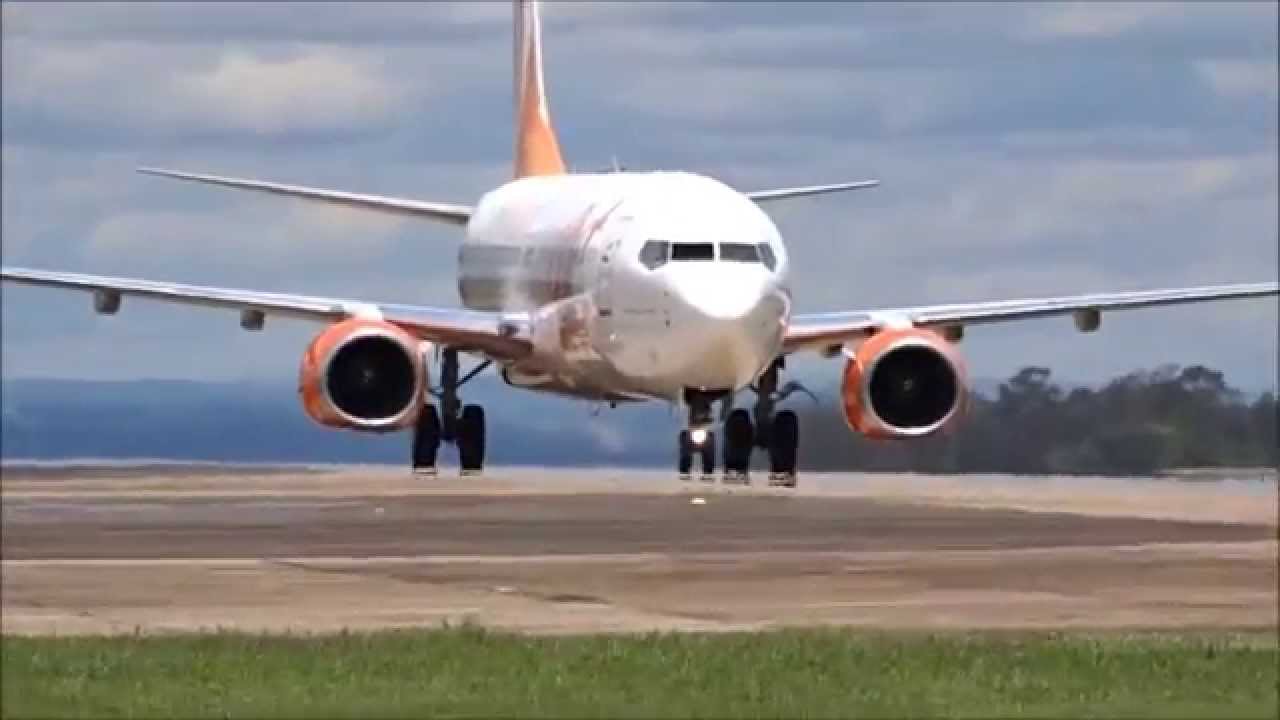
(708, 452)
(783, 445)
(739, 438)
(685, 461)
(471, 440)
(426, 441)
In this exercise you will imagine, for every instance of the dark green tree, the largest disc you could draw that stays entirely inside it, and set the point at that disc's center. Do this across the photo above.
(1137, 424)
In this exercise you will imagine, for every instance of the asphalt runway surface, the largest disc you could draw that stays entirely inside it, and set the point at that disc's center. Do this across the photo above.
(158, 548)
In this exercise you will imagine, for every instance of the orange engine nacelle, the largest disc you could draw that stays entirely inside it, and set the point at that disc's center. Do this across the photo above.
(903, 383)
(363, 375)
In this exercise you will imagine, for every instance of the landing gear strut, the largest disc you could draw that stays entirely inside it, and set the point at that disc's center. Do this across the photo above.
(698, 439)
(777, 433)
(452, 422)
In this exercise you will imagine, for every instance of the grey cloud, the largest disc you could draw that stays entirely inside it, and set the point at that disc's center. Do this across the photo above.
(1097, 19)
(214, 23)
(380, 24)
(1240, 78)
(159, 90)
(735, 73)
(1135, 19)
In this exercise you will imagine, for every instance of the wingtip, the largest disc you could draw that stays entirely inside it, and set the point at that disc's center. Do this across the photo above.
(154, 172)
(178, 175)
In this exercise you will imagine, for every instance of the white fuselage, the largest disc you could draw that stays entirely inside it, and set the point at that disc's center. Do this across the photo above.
(639, 284)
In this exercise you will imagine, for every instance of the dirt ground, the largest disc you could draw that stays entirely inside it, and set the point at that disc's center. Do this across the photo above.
(114, 549)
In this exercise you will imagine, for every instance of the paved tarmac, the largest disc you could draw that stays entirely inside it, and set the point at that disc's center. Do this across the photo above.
(114, 549)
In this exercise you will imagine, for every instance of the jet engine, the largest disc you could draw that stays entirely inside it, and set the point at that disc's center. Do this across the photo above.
(365, 375)
(903, 383)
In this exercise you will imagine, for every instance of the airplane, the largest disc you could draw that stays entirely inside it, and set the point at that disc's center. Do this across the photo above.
(615, 287)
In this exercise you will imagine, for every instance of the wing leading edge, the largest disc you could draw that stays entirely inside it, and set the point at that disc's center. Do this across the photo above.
(823, 330)
(443, 212)
(764, 196)
(493, 334)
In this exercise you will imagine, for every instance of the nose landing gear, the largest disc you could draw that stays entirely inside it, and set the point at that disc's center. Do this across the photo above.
(698, 439)
(700, 443)
(452, 422)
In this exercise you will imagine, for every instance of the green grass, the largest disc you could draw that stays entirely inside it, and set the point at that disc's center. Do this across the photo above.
(811, 673)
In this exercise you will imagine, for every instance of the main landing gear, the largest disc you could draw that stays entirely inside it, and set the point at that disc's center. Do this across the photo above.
(450, 422)
(775, 432)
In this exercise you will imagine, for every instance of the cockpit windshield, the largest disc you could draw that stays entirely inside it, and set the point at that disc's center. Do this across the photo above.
(739, 252)
(657, 253)
(767, 257)
(692, 251)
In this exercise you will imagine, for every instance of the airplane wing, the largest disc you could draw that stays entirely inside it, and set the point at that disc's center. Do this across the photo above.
(827, 330)
(453, 214)
(492, 334)
(762, 196)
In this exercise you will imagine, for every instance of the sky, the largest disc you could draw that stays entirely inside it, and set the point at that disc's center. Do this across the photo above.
(1025, 149)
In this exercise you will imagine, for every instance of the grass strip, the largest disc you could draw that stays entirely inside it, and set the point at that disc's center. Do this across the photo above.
(471, 672)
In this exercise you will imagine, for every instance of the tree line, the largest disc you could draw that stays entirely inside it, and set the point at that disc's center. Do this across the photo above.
(1138, 424)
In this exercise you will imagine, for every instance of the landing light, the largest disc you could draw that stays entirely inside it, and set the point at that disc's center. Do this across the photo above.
(698, 436)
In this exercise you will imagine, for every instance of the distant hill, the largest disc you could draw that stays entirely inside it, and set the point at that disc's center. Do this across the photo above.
(263, 422)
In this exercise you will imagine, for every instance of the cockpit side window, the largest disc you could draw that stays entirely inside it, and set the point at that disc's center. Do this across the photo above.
(654, 254)
(767, 257)
(739, 252)
(693, 251)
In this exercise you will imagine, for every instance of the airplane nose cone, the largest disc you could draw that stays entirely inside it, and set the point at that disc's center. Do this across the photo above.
(732, 298)
(729, 326)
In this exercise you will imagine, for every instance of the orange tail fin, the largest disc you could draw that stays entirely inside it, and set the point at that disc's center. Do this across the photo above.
(537, 150)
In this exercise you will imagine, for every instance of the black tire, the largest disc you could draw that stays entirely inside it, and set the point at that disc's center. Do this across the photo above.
(684, 462)
(471, 438)
(784, 443)
(739, 438)
(426, 439)
(708, 452)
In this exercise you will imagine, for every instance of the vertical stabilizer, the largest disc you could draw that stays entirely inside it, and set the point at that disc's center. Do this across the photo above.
(537, 150)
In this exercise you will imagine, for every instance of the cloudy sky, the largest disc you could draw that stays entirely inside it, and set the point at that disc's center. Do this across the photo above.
(1025, 149)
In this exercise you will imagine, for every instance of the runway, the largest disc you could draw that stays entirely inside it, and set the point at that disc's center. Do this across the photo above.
(114, 549)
